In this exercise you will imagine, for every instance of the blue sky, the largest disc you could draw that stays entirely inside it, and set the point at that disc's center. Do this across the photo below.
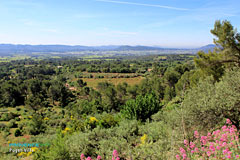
(166, 23)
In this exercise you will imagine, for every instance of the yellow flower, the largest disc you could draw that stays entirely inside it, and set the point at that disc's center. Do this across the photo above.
(21, 154)
(9, 142)
(66, 130)
(30, 117)
(33, 149)
(93, 119)
(71, 117)
(29, 153)
(46, 118)
(144, 138)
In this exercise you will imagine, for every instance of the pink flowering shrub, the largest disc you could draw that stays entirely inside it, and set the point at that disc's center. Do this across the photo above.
(114, 156)
(220, 144)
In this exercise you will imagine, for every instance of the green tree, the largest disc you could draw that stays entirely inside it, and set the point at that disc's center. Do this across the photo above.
(142, 108)
(226, 54)
(37, 125)
(81, 83)
(109, 96)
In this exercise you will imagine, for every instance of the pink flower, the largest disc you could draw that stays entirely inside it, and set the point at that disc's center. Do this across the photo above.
(209, 153)
(225, 151)
(224, 144)
(209, 134)
(182, 150)
(82, 156)
(212, 148)
(228, 121)
(185, 142)
(184, 156)
(196, 150)
(89, 158)
(192, 145)
(178, 157)
(99, 157)
(196, 134)
(224, 127)
(115, 153)
(229, 156)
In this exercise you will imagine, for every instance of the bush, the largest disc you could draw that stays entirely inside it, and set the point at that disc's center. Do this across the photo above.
(142, 108)
(2, 126)
(12, 124)
(37, 125)
(7, 116)
(18, 133)
(127, 139)
(17, 118)
(220, 144)
(57, 150)
(107, 121)
(208, 104)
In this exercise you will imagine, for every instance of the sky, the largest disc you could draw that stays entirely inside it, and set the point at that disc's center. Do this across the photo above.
(164, 23)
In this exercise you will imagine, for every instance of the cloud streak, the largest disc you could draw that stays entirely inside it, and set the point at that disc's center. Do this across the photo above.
(143, 4)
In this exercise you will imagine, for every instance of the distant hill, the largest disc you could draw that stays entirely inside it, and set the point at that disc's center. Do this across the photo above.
(8, 49)
(109, 47)
(207, 48)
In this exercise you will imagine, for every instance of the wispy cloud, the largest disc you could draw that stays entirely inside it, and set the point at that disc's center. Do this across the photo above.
(144, 4)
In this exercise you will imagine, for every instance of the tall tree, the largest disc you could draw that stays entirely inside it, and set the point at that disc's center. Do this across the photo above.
(226, 54)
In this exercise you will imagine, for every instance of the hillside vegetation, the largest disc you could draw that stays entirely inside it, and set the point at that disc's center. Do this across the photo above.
(155, 107)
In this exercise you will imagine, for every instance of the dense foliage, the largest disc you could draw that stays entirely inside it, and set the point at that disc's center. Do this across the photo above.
(52, 101)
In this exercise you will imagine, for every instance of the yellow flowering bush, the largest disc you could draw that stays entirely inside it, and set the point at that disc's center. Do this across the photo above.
(92, 119)
(144, 139)
(21, 154)
(66, 130)
(46, 119)
(29, 154)
(33, 149)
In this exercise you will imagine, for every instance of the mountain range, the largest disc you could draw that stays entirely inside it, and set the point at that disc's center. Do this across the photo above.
(11, 48)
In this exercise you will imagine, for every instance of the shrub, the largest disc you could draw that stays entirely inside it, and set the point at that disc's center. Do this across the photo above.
(17, 133)
(57, 150)
(7, 116)
(37, 125)
(142, 108)
(2, 126)
(208, 104)
(12, 124)
(17, 118)
(107, 121)
(220, 144)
